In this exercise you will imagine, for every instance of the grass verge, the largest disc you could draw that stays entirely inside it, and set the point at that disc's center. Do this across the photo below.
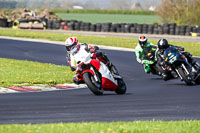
(114, 127)
(16, 72)
(192, 47)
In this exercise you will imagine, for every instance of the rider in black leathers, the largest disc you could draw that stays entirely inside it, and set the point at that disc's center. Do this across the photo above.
(162, 45)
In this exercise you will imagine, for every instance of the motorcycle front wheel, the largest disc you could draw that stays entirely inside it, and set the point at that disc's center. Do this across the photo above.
(186, 79)
(92, 84)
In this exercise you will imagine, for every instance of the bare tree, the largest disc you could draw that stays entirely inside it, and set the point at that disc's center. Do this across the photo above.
(180, 11)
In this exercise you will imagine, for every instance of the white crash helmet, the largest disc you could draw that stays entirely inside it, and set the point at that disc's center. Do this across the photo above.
(142, 41)
(70, 43)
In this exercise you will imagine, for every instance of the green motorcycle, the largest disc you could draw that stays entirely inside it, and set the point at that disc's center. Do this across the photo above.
(150, 63)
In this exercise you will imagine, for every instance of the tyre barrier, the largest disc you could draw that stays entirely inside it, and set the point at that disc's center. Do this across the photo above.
(3, 23)
(168, 29)
(28, 24)
(15, 24)
(31, 25)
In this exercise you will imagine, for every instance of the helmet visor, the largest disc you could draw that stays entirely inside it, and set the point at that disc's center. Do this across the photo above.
(68, 48)
(143, 43)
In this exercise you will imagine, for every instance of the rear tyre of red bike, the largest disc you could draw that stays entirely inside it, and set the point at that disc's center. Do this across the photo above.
(121, 89)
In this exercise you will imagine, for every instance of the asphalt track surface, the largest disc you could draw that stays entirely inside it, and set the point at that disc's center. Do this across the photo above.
(147, 98)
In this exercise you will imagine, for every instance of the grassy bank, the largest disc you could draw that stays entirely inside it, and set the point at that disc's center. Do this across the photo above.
(193, 47)
(14, 72)
(114, 127)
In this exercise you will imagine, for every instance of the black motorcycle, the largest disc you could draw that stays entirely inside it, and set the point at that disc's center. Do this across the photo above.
(178, 62)
(155, 67)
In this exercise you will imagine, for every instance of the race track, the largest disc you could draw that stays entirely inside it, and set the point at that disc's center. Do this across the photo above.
(148, 97)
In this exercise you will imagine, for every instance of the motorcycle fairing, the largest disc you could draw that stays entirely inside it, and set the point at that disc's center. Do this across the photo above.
(80, 55)
(172, 55)
(108, 81)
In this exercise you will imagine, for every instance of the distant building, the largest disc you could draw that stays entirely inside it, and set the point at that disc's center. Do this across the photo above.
(152, 8)
(77, 7)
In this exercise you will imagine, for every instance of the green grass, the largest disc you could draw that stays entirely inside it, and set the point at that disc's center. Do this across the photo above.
(114, 18)
(114, 127)
(14, 72)
(193, 47)
(17, 72)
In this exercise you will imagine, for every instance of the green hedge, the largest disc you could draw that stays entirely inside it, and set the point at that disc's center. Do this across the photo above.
(134, 12)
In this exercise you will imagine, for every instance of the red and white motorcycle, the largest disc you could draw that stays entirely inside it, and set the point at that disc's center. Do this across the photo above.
(95, 73)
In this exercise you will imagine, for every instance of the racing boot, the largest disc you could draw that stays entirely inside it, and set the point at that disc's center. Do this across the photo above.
(167, 75)
(147, 68)
(164, 77)
(113, 69)
(78, 80)
(102, 57)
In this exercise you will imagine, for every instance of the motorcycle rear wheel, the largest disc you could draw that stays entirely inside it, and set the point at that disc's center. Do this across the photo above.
(197, 81)
(121, 89)
(186, 78)
(94, 87)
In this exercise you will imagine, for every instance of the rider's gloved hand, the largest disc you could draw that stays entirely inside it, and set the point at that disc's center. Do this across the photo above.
(180, 48)
(73, 69)
(92, 50)
(142, 62)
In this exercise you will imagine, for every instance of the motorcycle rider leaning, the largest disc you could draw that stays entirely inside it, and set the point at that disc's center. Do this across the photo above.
(72, 43)
(141, 50)
(163, 45)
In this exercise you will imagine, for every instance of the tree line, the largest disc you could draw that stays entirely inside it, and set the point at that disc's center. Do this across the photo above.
(181, 12)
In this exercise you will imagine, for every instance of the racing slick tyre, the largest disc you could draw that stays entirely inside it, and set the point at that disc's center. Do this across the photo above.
(94, 86)
(186, 79)
(197, 81)
(121, 89)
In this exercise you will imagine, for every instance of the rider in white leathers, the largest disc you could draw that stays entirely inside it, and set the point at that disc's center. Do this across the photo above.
(72, 44)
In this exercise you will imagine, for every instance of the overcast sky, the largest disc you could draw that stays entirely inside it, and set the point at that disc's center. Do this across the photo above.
(90, 4)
